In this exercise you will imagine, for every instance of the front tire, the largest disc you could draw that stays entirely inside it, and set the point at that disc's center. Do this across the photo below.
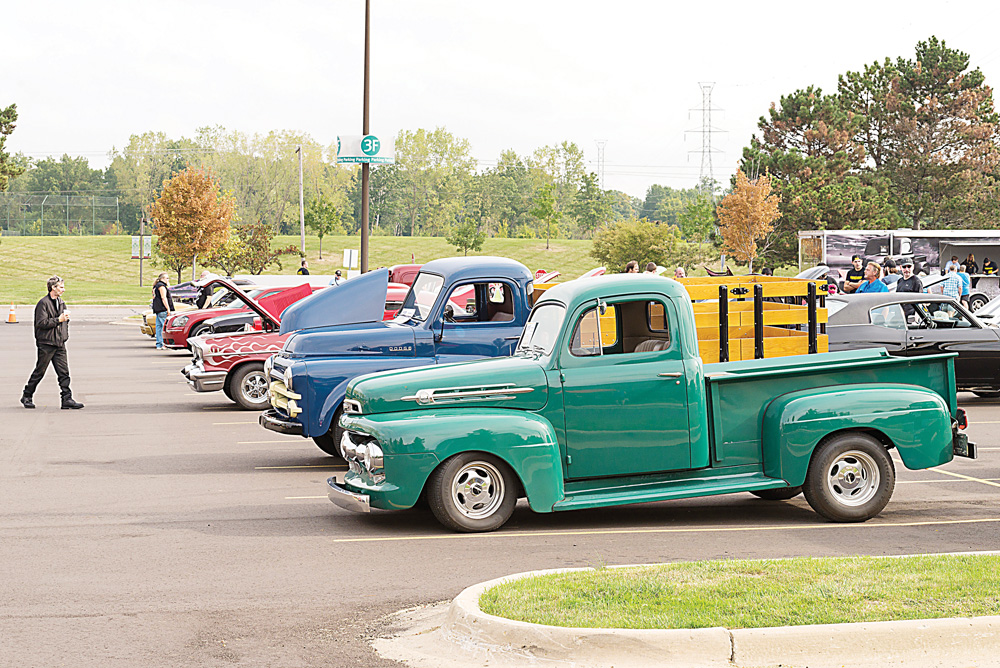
(850, 478)
(977, 302)
(777, 494)
(330, 441)
(249, 387)
(472, 492)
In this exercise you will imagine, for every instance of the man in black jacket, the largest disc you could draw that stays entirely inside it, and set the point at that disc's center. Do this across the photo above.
(51, 334)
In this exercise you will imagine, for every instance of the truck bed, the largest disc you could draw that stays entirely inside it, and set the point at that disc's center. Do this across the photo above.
(738, 393)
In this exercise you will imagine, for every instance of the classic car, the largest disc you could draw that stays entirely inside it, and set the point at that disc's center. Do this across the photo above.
(911, 324)
(180, 327)
(235, 363)
(404, 273)
(583, 417)
(457, 309)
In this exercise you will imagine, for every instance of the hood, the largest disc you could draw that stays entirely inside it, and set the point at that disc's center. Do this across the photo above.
(244, 300)
(505, 382)
(373, 339)
(215, 349)
(358, 300)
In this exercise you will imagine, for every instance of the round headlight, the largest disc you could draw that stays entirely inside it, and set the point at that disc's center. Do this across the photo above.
(181, 321)
(288, 377)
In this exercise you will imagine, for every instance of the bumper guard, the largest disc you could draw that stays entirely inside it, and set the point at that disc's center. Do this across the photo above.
(203, 381)
(272, 420)
(347, 499)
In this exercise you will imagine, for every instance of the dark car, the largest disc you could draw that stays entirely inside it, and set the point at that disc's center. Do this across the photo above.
(912, 324)
(187, 292)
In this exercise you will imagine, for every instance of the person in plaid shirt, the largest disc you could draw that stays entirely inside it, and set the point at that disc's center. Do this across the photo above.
(952, 286)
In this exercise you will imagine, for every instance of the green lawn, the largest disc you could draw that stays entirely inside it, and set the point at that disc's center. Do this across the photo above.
(754, 594)
(99, 269)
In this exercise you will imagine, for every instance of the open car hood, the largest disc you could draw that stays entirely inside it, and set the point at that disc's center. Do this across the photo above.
(242, 297)
(358, 300)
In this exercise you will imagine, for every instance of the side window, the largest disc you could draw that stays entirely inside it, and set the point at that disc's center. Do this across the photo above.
(480, 302)
(942, 315)
(890, 316)
(639, 326)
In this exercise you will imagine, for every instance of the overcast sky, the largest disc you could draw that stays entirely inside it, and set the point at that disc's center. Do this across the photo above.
(517, 74)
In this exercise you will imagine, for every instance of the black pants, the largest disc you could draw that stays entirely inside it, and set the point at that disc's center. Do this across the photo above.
(56, 355)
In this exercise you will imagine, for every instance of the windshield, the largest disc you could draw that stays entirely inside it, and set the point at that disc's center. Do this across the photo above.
(542, 329)
(421, 297)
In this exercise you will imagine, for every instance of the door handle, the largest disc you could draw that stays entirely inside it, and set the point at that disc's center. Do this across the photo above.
(673, 374)
(363, 348)
(511, 338)
(915, 338)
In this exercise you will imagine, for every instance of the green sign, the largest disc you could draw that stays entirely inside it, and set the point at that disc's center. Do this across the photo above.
(365, 148)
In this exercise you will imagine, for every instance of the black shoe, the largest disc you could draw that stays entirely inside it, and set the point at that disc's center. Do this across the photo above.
(26, 401)
(69, 403)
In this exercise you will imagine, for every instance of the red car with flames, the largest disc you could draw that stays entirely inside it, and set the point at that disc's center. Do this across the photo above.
(235, 363)
(188, 324)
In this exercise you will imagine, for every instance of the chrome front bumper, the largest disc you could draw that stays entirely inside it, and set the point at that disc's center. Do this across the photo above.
(347, 499)
(273, 420)
(203, 381)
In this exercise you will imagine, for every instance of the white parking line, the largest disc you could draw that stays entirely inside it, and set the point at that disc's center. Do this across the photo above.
(966, 477)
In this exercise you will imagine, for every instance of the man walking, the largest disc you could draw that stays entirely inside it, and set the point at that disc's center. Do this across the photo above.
(51, 334)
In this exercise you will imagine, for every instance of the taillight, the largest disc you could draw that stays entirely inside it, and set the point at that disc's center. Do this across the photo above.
(963, 421)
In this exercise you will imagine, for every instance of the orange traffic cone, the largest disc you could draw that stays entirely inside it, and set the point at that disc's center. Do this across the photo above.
(12, 318)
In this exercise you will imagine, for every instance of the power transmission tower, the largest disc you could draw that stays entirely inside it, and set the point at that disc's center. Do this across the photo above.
(601, 143)
(706, 175)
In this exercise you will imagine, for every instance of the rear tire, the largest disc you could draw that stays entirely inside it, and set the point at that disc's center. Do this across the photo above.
(850, 478)
(778, 494)
(977, 302)
(330, 441)
(472, 491)
(249, 387)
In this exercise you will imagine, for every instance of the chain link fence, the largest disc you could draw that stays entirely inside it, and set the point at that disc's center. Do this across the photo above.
(30, 214)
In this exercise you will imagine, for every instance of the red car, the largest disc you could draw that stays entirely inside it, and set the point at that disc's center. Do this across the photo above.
(235, 363)
(182, 326)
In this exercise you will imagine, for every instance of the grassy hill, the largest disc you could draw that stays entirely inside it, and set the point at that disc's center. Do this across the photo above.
(99, 269)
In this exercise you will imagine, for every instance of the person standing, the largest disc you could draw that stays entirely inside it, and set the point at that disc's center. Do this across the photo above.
(952, 285)
(855, 275)
(970, 264)
(679, 273)
(632, 267)
(337, 278)
(891, 276)
(872, 282)
(205, 291)
(51, 334)
(909, 282)
(163, 306)
(304, 269)
(966, 283)
(650, 268)
(989, 266)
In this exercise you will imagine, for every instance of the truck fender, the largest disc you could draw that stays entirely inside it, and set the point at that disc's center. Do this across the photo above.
(416, 442)
(914, 420)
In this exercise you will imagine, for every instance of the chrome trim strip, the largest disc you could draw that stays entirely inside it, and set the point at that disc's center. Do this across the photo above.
(482, 392)
(352, 407)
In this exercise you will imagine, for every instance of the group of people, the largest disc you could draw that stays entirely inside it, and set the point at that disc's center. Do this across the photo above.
(633, 268)
(869, 277)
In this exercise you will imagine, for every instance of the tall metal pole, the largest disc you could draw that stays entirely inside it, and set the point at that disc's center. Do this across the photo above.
(142, 243)
(365, 166)
(302, 207)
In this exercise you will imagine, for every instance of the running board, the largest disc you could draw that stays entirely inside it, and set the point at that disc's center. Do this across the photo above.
(608, 493)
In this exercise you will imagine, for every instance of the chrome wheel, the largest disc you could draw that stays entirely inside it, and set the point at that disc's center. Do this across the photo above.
(254, 387)
(853, 478)
(477, 490)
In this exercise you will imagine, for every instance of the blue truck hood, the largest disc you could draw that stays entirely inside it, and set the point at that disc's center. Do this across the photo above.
(377, 339)
(359, 300)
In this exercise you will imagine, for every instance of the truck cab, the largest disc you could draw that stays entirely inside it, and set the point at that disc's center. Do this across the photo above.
(457, 309)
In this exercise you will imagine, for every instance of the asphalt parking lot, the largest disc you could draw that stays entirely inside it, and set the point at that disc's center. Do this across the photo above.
(162, 527)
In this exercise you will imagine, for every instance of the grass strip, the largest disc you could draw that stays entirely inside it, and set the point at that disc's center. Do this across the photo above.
(755, 593)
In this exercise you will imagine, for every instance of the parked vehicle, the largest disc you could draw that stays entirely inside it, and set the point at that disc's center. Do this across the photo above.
(235, 363)
(574, 420)
(221, 298)
(457, 309)
(180, 327)
(404, 273)
(910, 324)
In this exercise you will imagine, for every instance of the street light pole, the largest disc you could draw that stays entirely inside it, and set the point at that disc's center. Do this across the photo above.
(302, 207)
(365, 165)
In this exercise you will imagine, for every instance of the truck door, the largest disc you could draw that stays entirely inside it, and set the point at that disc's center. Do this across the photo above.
(624, 391)
(478, 320)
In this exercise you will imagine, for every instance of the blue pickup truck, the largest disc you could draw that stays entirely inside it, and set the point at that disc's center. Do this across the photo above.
(458, 309)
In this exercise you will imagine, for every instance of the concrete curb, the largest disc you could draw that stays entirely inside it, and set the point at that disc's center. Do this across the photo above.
(971, 641)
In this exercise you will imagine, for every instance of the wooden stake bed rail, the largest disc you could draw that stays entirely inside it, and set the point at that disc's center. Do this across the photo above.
(736, 323)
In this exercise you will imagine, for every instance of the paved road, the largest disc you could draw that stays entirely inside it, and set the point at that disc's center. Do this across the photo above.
(163, 527)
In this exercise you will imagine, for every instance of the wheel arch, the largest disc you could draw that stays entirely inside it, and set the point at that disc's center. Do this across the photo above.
(418, 442)
(913, 420)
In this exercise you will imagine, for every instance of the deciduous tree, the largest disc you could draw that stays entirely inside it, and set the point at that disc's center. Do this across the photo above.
(746, 215)
(466, 236)
(191, 216)
(322, 217)
(8, 168)
(545, 211)
(640, 240)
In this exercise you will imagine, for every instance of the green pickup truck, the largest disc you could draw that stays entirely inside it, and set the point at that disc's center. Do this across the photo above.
(607, 402)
